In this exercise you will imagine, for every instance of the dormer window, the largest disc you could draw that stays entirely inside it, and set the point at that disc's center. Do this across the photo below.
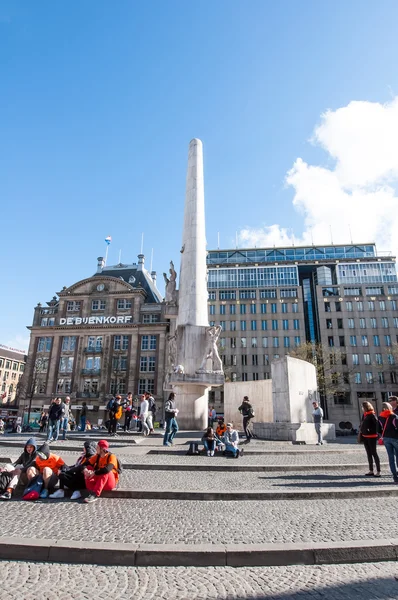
(123, 304)
(73, 305)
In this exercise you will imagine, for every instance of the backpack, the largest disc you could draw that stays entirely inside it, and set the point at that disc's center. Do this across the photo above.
(5, 479)
(111, 404)
(32, 492)
(193, 449)
(119, 467)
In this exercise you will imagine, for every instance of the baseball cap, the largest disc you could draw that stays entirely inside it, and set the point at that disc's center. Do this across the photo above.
(103, 444)
(229, 424)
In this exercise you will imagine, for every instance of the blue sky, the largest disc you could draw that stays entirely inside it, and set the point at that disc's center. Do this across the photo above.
(99, 101)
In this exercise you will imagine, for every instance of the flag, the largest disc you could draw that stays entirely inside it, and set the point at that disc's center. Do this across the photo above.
(108, 239)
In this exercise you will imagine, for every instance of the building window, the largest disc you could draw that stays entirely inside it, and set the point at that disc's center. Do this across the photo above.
(286, 342)
(285, 324)
(47, 322)
(226, 295)
(243, 325)
(265, 342)
(44, 344)
(123, 304)
(146, 385)
(295, 308)
(357, 378)
(360, 306)
(73, 305)
(265, 360)
(351, 324)
(379, 359)
(329, 324)
(376, 340)
(369, 377)
(247, 294)
(341, 341)
(284, 308)
(222, 309)
(98, 305)
(327, 307)
(373, 323)
(387, 340)
(92, 363)
(384, 322)
(66, 364)
(355, 359)
(362, 323)
(264, 325)
(233, 360)
(353, 340)
(244, 376)
(68, 343)
(395, 321)
(233, 342)
(274, 307)
(144, 342)
(94, 342)
(254, 342)
(255, 360)
(382, 305)
(212, 295)
(242, 309)
(340, 324)
(143, 364)
(232, 309)
(371, 305)
(263, 308)
(330, 341)
(212, 309)
(348, 306)
(274, 325)
(252, 309)
(244, 360)
(243, 342)
(337, 306)
(296, 324)
(390, 359)
(275, 342)
(381, 377)
(365, 340)
(222, 325)
(393, 305)
(255, 376)
(297, 340)
(232, 325)
(366, 359)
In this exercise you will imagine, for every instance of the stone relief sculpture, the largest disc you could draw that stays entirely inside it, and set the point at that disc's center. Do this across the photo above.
(212, 335)
(172, 352)
(171, 285)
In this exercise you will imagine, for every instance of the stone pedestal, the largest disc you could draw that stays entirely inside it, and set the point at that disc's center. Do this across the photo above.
(293, 432)
(192, 397)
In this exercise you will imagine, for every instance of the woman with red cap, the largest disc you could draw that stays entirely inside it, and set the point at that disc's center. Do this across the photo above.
(102, 472)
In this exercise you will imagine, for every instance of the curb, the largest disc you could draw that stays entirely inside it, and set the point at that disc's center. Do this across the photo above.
(200, 555)
(371, 491)
(260, 452)
(226, 467)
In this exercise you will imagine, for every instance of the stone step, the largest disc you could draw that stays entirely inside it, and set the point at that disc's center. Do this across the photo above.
(199, 555)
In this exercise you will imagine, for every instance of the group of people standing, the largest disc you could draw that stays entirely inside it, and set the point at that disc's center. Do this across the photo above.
(59, 418)
(144, 416)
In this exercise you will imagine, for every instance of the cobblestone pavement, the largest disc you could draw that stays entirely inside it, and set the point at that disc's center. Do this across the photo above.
(192, 522)
(29, 581)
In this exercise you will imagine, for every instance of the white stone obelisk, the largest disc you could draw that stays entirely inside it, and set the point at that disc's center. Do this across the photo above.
(192, 386)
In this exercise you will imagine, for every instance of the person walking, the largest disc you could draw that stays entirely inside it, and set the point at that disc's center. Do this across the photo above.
(54, 420)
(317, 415)
(151, 411)
(389, 427)
(246, 410)
(43, 421)
(393, 400)
(144, 411)
(212, 416)
(171, 413)
(128, 412)
(111, 408)
(368, 430)
(83, 417)
(66, 416)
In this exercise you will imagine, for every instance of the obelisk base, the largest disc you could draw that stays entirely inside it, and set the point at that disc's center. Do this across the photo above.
(192, 403)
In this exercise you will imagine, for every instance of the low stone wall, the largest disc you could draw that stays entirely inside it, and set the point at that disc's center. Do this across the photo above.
(293, 432)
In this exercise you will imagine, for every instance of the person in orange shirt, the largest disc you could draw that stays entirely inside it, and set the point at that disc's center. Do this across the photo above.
(102, 472)
(48, 466)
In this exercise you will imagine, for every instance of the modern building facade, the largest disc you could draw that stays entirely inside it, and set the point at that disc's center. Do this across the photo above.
(12, 365)
(101, 336)
(343, 300)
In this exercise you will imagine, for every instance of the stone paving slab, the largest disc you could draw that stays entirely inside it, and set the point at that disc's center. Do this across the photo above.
(32, 580)
(193, 522)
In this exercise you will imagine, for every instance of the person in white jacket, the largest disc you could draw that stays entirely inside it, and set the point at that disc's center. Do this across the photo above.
(144, 409)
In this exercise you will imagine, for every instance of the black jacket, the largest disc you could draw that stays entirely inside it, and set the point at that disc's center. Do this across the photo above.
(369, 425)
(390, 430)
(55, 412)
(26, 459)
(246, 409)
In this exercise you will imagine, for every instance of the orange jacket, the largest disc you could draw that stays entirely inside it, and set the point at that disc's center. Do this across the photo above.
(54, 462)
(99, 462)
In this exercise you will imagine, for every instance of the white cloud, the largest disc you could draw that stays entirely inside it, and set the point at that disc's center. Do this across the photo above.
(357, 192)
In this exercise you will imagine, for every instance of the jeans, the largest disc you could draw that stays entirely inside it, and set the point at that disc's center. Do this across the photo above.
(209, 445)
(64, 427)
(391, 445)
(127, 421)
(149, 421)
(231, 448)
(318, 429)
(53, 426)
(371, 450)
(246, 423)
(171, 430)
(83, 423)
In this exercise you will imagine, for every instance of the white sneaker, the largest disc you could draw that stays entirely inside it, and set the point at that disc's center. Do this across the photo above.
(212, 453)
(76, 495)
(57, 494)
(208, 453)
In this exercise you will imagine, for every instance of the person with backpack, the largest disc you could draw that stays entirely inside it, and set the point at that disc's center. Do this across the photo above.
(389, 430)
(102, 472)
(55, 415)
(128, 411)
(14, 473)
(47, 465)
(221, 429)
(72, 477)
(246, 410)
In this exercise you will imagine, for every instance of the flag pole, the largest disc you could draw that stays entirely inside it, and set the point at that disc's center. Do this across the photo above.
(106, 254)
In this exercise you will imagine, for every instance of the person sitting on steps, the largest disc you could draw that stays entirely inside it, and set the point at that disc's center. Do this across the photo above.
(102, 472)
(72, 477)
(231, 441)
(19, 467)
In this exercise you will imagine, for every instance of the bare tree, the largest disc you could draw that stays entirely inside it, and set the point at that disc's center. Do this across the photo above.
(31, 380)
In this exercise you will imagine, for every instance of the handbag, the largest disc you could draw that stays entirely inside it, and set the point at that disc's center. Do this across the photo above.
(380, 441)
(360, 438)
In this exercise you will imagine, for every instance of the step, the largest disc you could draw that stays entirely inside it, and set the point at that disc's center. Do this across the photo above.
(198, 555)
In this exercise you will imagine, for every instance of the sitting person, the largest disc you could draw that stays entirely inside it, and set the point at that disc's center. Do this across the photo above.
(221, 429)
(18, 469)
(102, 473)
(209, 441)
(48, 465)
(72, 477)
(231, 441)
